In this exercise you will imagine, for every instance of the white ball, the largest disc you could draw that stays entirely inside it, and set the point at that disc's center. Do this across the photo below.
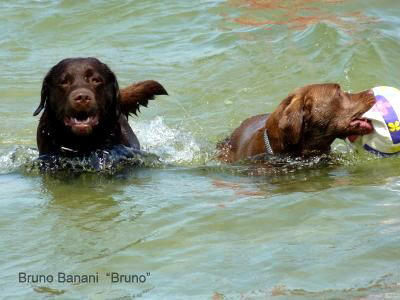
(384, 115)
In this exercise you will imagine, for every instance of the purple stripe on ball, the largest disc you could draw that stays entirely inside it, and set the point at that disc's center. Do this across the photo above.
(390, 116)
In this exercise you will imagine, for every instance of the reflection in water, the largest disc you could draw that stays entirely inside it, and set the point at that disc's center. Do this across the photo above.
(79, 189)
(286, 176)
(297, 15)
(87, 201)
(89, 217)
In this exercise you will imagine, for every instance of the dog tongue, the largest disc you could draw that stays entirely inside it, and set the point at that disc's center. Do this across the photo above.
(81, 127)
(363, 125)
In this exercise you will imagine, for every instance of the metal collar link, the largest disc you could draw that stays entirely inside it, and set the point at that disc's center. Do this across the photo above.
(267, 144)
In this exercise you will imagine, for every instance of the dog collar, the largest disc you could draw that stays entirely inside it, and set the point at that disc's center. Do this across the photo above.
(267, 144)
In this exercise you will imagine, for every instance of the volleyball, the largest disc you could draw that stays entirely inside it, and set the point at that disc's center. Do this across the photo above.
(384, 116)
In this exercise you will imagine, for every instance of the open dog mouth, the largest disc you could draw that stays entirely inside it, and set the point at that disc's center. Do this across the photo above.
(359, 126)
(82, 123)
(363, 125)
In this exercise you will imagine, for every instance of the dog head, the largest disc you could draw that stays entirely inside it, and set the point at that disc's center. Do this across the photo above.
(80, 93)
(310, 119)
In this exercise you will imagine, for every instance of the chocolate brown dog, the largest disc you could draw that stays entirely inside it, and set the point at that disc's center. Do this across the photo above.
(84, 109)
(304, 124)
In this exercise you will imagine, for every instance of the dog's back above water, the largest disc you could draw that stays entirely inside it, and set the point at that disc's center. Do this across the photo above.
(84, 110)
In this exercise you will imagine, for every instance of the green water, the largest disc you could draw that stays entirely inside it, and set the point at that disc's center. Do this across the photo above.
(316, 230)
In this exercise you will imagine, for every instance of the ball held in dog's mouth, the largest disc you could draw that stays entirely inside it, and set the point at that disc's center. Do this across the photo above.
(384, 116)
(81, 124)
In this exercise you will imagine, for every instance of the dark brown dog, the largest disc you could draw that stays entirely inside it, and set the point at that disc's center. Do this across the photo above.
(304, 124)
(84, 109)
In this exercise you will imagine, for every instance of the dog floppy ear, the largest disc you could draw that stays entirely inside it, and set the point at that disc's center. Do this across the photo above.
(115, 105)
(44, 95)
(291, 121)
(139, 94)
(117, 99)
(116, 96)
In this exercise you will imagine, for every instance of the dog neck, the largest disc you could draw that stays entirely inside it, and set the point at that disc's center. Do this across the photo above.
(267, 144)
(278, 143)
(274, 135)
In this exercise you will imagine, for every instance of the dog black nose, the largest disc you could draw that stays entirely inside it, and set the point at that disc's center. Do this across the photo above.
(81, 96)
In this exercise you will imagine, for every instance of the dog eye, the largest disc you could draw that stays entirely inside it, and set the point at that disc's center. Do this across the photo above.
(64, 81)
(96, 81)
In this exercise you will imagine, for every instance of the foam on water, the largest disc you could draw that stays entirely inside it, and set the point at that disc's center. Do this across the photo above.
(15, 159)
(167, 145)
(172, 145)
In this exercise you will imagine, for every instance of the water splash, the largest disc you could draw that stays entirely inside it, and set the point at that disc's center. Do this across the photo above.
(161, 145)
(106, 161)
(110, 161)
(172, 145)
(15, 159)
